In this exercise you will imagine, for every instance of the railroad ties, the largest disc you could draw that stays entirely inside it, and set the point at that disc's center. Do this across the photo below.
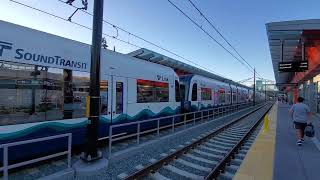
(217, 154)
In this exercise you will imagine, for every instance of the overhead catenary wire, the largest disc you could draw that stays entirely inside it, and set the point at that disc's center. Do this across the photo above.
(114, 37)
(147, 41)
(249, 67)
(222, 36)
(75, 23)
(206, 32)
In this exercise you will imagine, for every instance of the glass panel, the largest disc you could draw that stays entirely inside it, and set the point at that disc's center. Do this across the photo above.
(234, 97)
(104, 97)
(53, 98)
(206, 94)
(183, 92)
(80, 86)
(119, 97)
(152, 91)
(31, 93)
(221, 94)
(177, 91)
(144, 91)
(194, 92)
(22, 93)
(161, 91)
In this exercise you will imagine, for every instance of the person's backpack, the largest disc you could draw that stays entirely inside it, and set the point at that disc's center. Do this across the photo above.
(309, 131)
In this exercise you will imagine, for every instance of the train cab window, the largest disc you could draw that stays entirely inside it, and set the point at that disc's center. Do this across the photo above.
(119, 97)
(206, 94)
(177, 91)
(194, 95)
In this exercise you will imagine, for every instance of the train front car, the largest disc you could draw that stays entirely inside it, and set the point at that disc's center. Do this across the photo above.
(44, 87)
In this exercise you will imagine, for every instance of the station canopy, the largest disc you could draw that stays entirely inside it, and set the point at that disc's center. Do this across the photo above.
(294, 41)
(180, 68)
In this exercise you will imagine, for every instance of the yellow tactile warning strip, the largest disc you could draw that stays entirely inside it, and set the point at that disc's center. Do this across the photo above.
(258, 163)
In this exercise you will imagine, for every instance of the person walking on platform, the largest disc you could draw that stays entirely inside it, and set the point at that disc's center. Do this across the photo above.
(301, 115)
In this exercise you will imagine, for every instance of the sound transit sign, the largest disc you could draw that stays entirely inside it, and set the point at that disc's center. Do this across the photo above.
(293, 66)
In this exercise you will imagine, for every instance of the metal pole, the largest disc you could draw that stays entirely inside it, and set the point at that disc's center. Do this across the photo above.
(69, 149)
(302, 51)
(254, 86)
(265, 90)
(5, 163)
(92, 135)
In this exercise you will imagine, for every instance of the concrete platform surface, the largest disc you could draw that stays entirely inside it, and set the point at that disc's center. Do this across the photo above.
(275, 155)
(291, 161)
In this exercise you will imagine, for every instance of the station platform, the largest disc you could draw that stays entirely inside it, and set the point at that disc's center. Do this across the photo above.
(275, 155)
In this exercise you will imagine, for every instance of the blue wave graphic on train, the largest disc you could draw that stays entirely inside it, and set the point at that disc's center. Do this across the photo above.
(59, 126)
(78, 131)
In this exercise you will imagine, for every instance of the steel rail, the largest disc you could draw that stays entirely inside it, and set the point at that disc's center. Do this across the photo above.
(219, 168)
(165, 160)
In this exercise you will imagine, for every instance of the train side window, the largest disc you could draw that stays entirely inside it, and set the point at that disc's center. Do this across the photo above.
(119, 97)
(221, 96)
(206, 94)
(80, 91)
(194, 92)
(152, 91)
(161, 92)
(177, 91)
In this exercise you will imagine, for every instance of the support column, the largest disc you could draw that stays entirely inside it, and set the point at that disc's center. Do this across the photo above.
(312, 96)
(295, 95)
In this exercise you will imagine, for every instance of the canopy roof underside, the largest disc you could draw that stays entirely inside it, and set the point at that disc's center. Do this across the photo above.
(287, 38)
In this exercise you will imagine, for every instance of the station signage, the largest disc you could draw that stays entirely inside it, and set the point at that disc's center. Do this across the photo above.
(293, 66)
(28, 46)
(287, 84)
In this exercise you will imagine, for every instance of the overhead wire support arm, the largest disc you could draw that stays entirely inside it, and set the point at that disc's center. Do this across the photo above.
(145, 40)
(85, 7)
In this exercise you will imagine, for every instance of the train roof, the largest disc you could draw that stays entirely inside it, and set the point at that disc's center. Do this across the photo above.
(152, 56)
(29, 46)
(203, 78)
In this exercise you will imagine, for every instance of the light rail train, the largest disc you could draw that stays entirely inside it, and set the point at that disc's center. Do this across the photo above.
(44, 84)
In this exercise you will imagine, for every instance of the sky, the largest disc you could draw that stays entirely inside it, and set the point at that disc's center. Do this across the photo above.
(241, 22)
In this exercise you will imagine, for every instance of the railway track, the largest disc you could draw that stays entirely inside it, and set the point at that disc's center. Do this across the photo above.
(217, 155)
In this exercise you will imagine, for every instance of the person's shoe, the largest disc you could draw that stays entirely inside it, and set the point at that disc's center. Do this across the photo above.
(302, 140)
(299, 143)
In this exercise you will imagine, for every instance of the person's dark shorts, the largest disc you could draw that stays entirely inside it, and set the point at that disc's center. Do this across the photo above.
(299, 125)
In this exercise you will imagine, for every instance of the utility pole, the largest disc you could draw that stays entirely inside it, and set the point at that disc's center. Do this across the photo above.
(265, 90)
(92, 153)
(254, 86)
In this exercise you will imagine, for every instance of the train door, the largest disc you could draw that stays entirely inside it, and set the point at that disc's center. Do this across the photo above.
(119, 98)
(105, 93)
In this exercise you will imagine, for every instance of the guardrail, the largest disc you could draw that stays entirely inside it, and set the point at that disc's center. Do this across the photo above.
(207, 113)
(6, 167)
